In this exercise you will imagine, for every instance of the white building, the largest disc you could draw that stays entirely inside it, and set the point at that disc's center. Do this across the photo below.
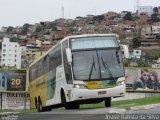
(145, 9)
(11, 53)
(155, 29)
(136, 54)
(3, 29)
(156, 64)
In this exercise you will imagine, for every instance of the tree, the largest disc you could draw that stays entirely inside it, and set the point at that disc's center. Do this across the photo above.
(154, 17)
(155, 9)
(136, 42)
(98, 18)
(25, 28)
(13, 39)
(128, 16)
(9, 29)
(52, 26)
(38, 29)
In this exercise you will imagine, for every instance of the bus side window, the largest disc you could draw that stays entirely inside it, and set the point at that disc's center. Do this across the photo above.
(67, 67)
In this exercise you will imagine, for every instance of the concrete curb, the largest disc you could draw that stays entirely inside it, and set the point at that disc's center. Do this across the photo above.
(117, 110)
(135, 108)
(144, 107)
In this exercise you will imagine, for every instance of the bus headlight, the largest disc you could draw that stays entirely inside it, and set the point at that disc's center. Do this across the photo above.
(120, 83)
(80, 86)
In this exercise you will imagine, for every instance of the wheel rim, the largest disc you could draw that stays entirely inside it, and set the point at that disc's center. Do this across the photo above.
(39, 106)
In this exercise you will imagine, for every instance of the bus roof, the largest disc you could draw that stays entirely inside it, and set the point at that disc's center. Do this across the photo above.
(69, 37)
(87, 35)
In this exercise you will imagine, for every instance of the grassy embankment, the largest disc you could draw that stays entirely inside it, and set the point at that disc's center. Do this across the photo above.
(126, 104)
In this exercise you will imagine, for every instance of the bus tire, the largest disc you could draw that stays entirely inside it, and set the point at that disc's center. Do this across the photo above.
(107, 102)
(75, 105)
(47, 109)
(63, 98)
(36, 103)
(39, 105)
(70, 105)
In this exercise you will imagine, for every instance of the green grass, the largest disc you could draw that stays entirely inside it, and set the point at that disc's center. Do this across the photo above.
(126, 104)
(143, 91)
(20, 111)
(122, 104)
(137, 102)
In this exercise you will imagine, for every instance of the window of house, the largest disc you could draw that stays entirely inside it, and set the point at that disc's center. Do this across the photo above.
(3, 81)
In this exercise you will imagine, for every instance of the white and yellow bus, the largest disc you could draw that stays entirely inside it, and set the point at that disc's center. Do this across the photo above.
(79, 69)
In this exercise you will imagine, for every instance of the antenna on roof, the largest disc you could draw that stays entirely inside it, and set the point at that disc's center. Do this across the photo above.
(62, 10)
(136, 5)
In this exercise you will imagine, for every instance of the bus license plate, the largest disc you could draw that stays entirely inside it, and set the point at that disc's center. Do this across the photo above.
(101, 92)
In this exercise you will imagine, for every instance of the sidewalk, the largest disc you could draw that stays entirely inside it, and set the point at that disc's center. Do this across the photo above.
(135, 108)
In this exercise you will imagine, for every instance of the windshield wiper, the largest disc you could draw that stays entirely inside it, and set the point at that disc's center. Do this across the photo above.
(106, 67)
(93, 65)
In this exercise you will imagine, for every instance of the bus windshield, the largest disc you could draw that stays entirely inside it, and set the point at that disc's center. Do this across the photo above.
(96, 58)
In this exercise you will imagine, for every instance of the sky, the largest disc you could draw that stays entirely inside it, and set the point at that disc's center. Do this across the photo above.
(18, 12)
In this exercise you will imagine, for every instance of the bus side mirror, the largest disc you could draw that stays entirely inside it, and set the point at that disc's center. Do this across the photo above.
(69, 55)
(125, 51)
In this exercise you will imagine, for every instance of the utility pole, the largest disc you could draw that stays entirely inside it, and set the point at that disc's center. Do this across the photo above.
(158, 39)
(62, 10)
(42, 25)
(136, 5)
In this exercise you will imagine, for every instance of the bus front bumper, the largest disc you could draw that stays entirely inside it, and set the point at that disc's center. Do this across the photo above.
(84, 94)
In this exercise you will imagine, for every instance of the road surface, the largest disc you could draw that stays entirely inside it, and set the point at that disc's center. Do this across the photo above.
(84, 114)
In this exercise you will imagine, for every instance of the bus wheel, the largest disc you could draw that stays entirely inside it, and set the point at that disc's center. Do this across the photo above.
(47, 109)
(107, 102)
(71, 105)
(39, 106)
(75, 105)
(63, 98)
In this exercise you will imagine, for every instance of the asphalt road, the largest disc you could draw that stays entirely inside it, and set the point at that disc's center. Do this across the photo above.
(86, 114)
(81, 114)
(149, 111)
(89, 114)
